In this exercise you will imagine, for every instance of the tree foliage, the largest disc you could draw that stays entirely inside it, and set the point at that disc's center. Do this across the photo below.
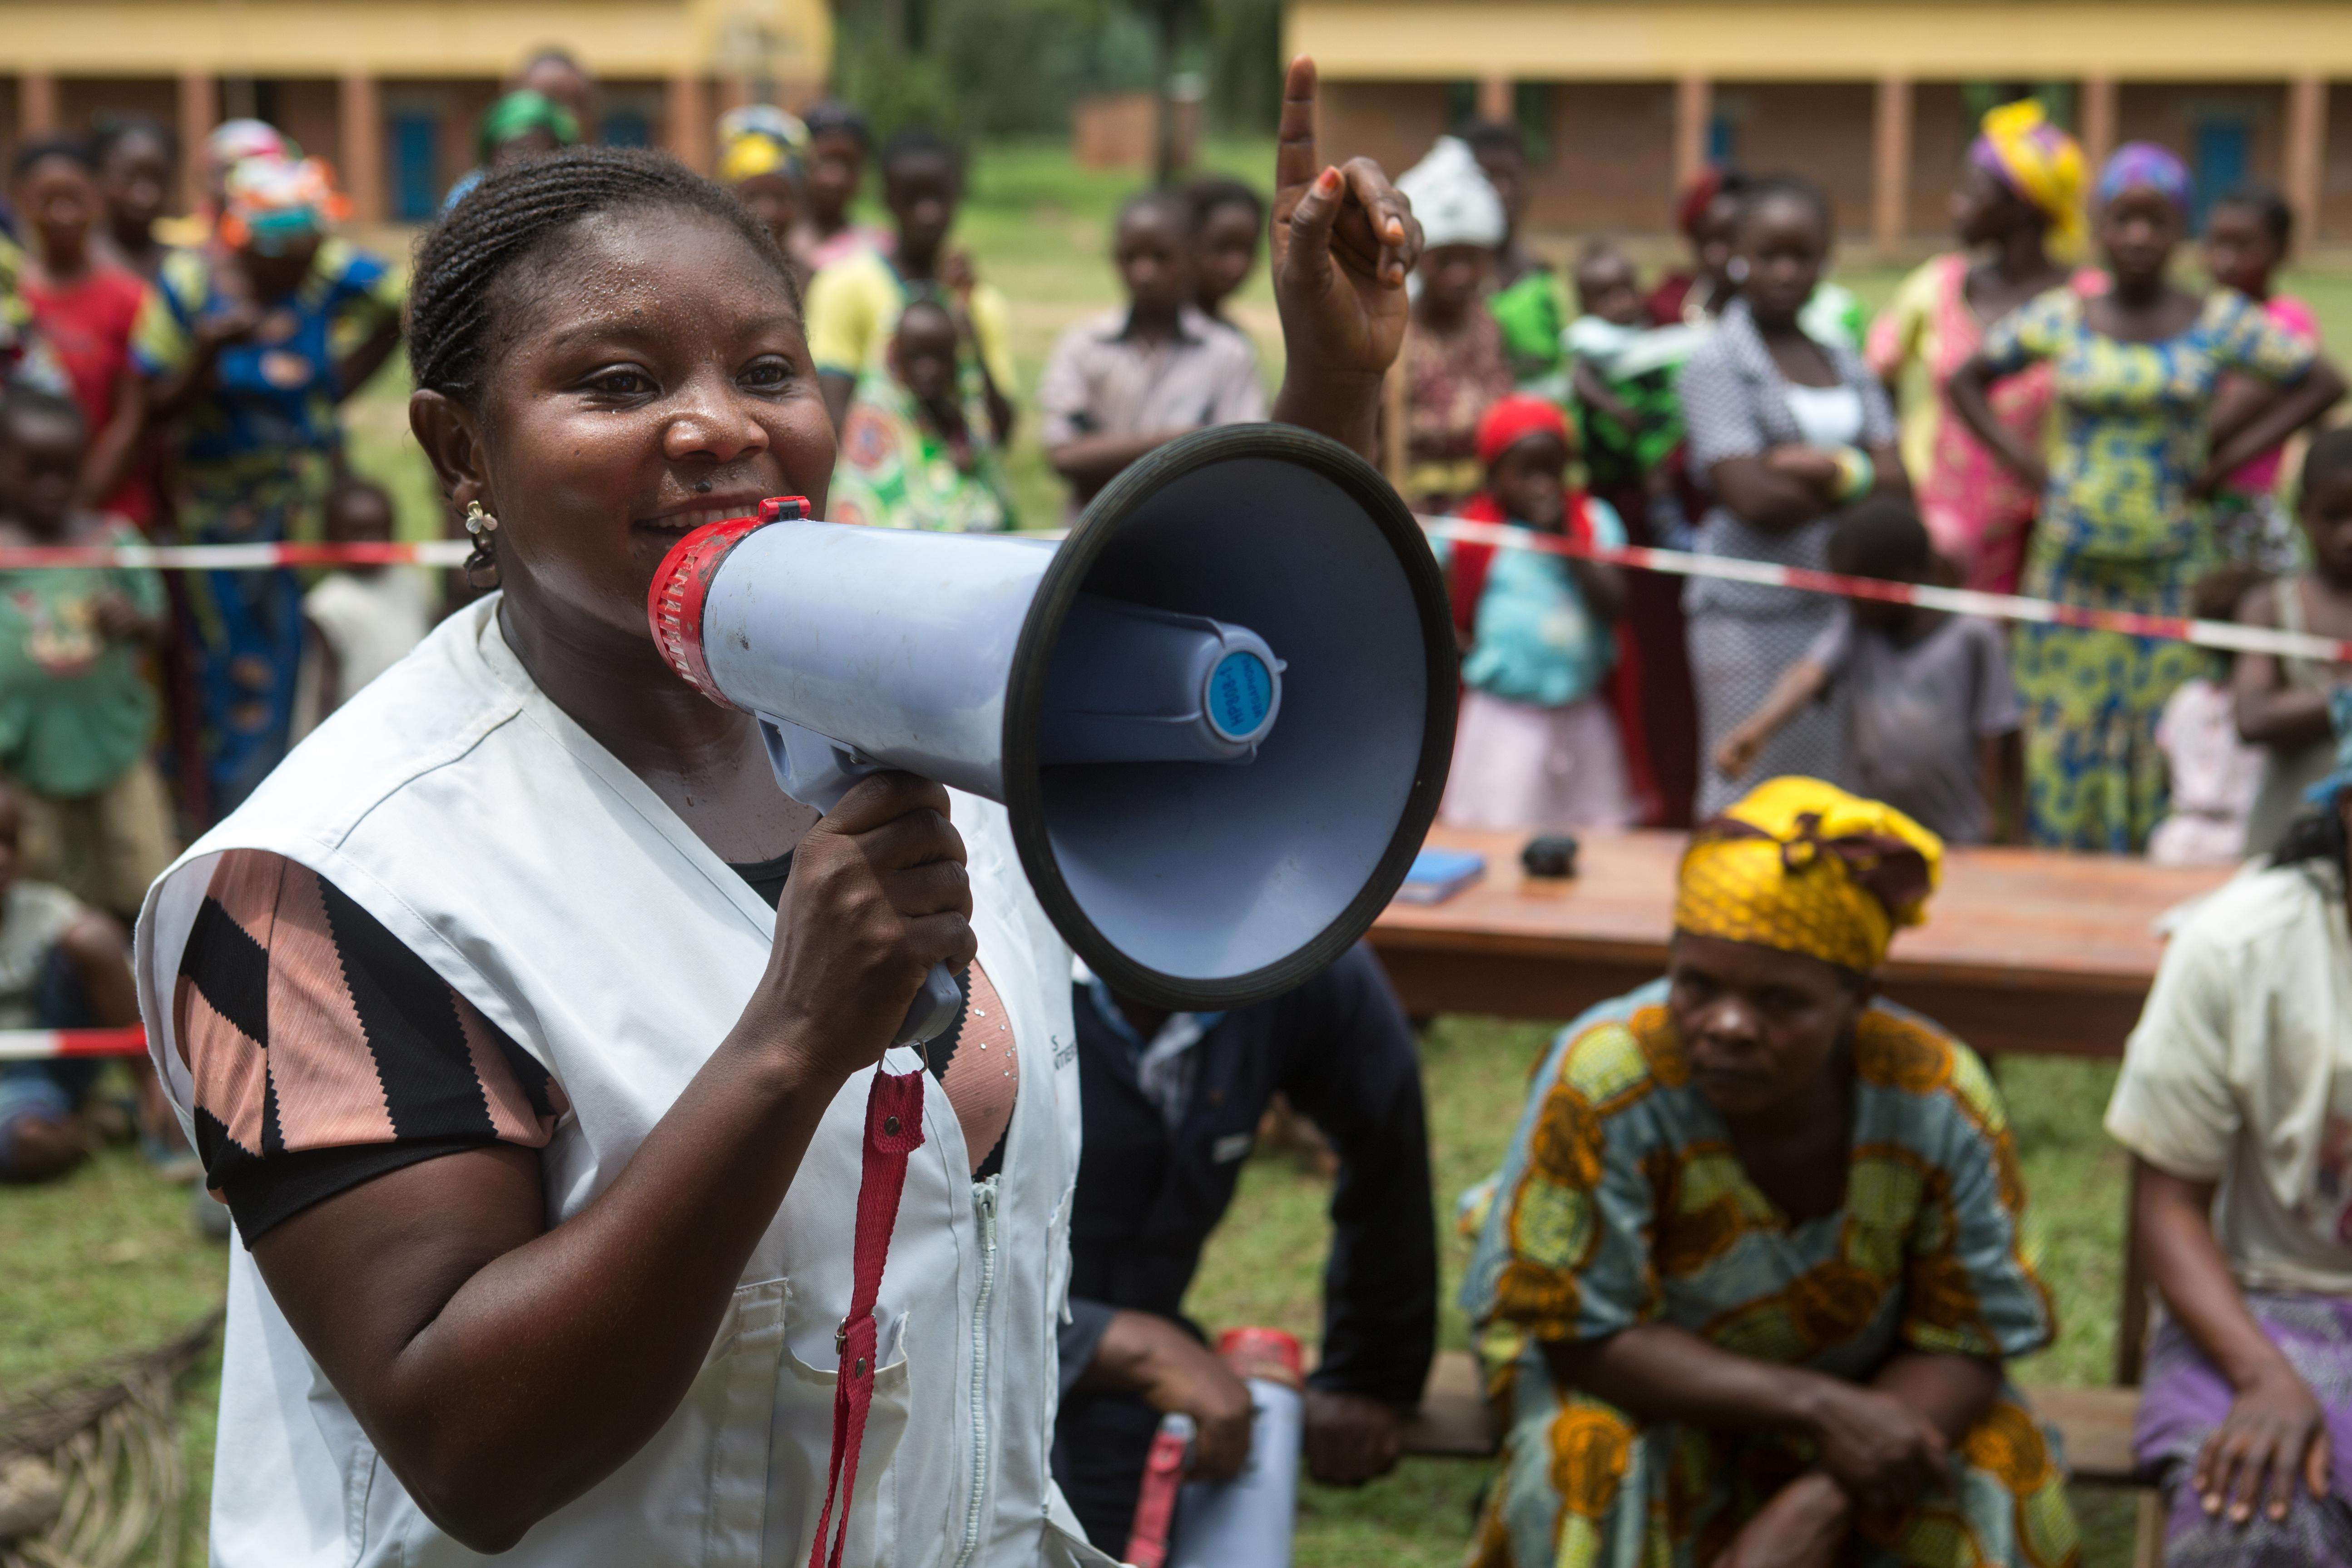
(1008, 67)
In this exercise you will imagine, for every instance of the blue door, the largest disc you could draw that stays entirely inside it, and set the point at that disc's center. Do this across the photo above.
(1722, 139)
(2222, 160)
(627, 126)
(416, 164)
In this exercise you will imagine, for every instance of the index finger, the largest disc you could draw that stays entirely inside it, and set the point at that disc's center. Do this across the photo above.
(882, 797)
(1294, 156)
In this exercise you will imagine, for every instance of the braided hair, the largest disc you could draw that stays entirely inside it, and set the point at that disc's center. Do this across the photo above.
(513, 219)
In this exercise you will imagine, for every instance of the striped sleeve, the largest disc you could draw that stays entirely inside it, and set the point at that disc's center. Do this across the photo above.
(324, 1053)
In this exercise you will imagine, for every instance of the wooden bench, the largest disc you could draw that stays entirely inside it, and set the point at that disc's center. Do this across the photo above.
(2095, 1425)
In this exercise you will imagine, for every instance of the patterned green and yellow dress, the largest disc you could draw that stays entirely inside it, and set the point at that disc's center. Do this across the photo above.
(2119, 531)
(1621, 1203)
(895, 470)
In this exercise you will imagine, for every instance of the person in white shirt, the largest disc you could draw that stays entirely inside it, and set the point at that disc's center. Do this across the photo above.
(358, 620)
(527, 1027)
(2235, 1102)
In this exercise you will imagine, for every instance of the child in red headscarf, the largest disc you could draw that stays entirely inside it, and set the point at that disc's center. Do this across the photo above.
(1537, 747)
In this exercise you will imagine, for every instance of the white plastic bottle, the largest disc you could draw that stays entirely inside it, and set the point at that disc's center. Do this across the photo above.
(1248, 1522)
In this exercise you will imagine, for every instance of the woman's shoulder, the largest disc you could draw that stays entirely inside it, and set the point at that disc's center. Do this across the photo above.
(1911, 1057)
(1619, 1053)
(430, 710)
(2252, 910)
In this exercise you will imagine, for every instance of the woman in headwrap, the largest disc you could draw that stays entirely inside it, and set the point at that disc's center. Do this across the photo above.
(759, 153)
(523, 124)
(1454, 360)
(2020, 201)
(2229, 1102)
(2125, 523)
(249, 346)
(1747, 1281)
(1704, 214)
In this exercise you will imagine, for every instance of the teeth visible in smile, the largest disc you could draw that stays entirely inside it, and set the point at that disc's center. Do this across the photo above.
(686, 522)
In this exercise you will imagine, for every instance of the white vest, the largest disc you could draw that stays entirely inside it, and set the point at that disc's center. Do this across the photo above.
(549, 886)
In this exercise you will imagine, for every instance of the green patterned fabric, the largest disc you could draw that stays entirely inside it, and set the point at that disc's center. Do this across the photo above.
(1529, 314)
(2118, 531)
(895, 470)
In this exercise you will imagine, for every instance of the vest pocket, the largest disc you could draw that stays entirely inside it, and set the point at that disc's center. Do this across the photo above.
(735, 1394)
(804, 1442)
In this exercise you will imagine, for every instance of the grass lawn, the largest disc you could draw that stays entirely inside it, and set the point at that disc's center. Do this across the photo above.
(105, 1261)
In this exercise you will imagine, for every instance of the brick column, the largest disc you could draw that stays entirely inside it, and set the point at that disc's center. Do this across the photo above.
(1890, 151)
(2098, 121)
(1495, 101)
(36, 103)
(199, 112)
(360, 113)
(2305, 151)
(688, 133)
(1694, 109)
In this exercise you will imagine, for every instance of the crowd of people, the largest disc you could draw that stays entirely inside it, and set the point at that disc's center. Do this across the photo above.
(2082, 428)
(1749, 1276)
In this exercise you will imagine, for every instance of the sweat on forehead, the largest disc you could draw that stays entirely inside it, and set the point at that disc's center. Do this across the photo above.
(502, 237)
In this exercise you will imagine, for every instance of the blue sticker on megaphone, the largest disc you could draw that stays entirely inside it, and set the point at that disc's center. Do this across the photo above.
(1241, 690)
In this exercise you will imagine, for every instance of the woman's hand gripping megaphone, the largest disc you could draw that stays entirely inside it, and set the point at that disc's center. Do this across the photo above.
(928, 891)
(873, 922)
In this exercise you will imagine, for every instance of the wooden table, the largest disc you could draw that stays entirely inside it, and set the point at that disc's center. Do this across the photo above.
(2024, 950)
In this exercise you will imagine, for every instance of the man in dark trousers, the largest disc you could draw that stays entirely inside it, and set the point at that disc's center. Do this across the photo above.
(1172, 1103)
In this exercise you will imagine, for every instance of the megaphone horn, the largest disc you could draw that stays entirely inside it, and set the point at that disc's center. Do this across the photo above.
(1219, 714)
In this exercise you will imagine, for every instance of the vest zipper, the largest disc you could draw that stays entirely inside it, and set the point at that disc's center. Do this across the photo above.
(983, 1197)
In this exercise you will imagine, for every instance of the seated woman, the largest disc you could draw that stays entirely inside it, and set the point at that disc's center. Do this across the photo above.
(1757, 1252)
(2236, 1103)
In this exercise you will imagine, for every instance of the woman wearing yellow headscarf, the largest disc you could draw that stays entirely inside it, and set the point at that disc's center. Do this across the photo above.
(760, 151)
(2019, 202)
(1748, 1274)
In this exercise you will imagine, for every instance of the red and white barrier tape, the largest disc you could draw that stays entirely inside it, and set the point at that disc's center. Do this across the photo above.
(236, 557)
(50, 1044)
(2222, 634)
(2225, 634)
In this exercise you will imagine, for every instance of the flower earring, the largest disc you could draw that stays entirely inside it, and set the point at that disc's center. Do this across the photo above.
(482, 565)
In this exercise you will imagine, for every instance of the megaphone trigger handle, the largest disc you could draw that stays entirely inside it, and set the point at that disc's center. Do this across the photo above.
(815, 770)
(935, 1007)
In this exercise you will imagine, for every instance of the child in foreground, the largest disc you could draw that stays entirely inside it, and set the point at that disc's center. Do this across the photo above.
(75, 708)
(1536, 747)
(2214, 774)
(2282, 703)
(1934, 719)
(1137, 376)
(358, 621)
(916, 449)
(62, 966)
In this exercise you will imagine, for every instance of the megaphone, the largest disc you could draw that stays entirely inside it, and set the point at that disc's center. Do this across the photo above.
(1219, 714)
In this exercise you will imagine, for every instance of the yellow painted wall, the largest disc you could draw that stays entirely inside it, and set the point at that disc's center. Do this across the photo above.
(413, 37)
(1568, 40)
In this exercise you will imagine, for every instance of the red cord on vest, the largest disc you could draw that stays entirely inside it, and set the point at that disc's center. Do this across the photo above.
(894, 1131)
(1155, 1503)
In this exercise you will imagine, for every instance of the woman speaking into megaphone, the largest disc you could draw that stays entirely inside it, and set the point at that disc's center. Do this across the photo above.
(542, 1132)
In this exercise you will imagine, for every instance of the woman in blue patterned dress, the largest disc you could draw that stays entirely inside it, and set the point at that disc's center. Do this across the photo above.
(252, 343)
(1757, 1254)
(2132, 462)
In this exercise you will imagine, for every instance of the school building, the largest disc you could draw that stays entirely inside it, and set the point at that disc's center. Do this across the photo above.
(1875, 99)
(389, 91)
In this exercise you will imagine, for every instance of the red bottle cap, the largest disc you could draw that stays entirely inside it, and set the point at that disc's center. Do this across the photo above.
(1268, 1353)
(682, 580)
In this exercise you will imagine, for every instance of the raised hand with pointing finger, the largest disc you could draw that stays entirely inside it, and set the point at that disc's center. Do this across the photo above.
(1344, 240)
